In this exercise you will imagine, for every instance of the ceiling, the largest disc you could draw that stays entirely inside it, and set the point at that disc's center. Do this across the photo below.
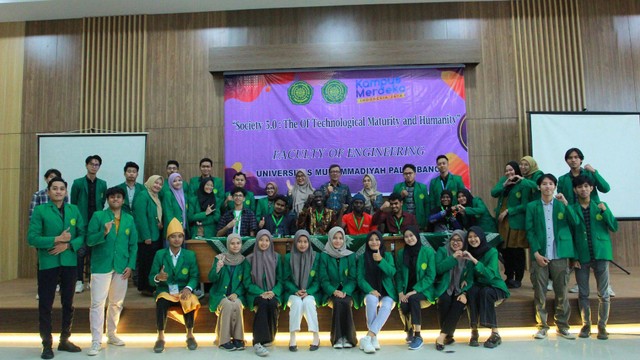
(28, 10)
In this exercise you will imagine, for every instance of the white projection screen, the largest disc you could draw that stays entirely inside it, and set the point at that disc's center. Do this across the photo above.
(610, 142)
(67, 153)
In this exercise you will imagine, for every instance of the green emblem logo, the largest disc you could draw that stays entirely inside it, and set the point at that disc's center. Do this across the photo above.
(346, 272)
(215, 191)
(423, 266)
(240, 277)
(73, 222)
(453, 192)
(185, 271)
(334, 92)
(518, 195)
(421, 196)
(560, 216)
(247, 202)
(127, 232)
(300, 93)
(599, 217)
(312, 273)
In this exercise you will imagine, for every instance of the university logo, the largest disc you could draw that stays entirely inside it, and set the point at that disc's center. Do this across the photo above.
(334, 92)
(300, 93)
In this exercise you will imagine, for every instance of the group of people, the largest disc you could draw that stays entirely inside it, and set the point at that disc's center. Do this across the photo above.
(143, 229)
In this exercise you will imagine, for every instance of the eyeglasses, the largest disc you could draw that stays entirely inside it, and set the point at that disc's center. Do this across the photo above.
(456, 240)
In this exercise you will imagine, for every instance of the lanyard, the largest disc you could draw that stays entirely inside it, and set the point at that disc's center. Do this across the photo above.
(355, 220)
(277, 222)
(398, 223)
(319, 218)
(236, 229)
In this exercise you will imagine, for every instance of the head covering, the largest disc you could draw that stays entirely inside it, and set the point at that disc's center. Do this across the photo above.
(372, 272)
(480, 250)
(204, 199)
(358, 196)
(373, 191)
(468, 195)
(229, 258)
(446, 192)
(301, 263)
(333, 252)
(516, 168)
(179, 195)
(456, 272)
(154, 196)
(263, 263)
(275, 186)
(533, 165)
(174, 227)
(410, 256)
(300, 193)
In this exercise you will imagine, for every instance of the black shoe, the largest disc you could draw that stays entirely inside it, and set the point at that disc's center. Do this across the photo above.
(66, 345)
(191, 343)
(585, 332)
(602, 333)
(473, 341)
(510, 283)
(409, 337)
(449, 340)
(228, 346)
(517, 284)
(239, 344)
(314, 347)
(158, 347)
(47, 352)
(493, 341)
(293, 348)
(439, 347)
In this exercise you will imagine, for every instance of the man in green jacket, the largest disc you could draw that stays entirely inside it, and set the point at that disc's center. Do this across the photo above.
(593, 247)
(414, 195)
(444, 180)
(57, 231)
(549, 236)
(206, 167)
(131, 187)
(113, 239)
(88, 194)
(574, 158)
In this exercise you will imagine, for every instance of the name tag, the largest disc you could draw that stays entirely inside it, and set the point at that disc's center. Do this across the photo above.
(173, 289)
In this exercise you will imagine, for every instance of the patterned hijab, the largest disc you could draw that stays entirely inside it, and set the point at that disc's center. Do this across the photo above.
(154, 196)
(263, 263)
(301, 263)
(333, 252)
(300, 193)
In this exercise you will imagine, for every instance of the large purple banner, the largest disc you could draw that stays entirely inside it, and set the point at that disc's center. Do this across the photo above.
(366, 121)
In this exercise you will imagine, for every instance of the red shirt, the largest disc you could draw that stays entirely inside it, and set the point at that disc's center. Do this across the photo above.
(362, 226)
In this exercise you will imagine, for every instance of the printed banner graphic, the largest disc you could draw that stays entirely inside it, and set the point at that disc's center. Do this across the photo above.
(366, 121)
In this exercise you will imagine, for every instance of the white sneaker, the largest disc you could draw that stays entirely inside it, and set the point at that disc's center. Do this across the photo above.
(339, 344)
(611, 292)
(375, 343)
(114, 340)
(95, 349)
(550, 285)
(366, 345)
(58, 288)
(37, 297)
(260, 350)
(346, 344)
(574, 289)
(79, 287)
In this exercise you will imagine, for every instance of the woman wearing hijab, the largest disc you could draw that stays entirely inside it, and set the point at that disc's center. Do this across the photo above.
(264, 287)
(301, 287)
(513, 196)
(174, 203)
(372, 197)
(488, 287)
(264, 206)
(531, 173)
(338, 281)
(471, 211)
(300, 191)
(443, 218)
(147, 211)
(227, 294)
(454, 278)
(376, 270)
(203, 212)
(416, 272)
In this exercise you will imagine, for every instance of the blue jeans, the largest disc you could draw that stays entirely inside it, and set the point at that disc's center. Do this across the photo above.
(377, 318)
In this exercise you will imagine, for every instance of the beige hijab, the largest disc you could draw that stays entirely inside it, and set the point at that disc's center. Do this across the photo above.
(154, 196)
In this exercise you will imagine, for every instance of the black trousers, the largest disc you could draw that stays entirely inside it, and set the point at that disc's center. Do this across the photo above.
(265, 322)
(411, 312)
(145, 260)
(47, 281)
(449, 312)
(342, 325)
(481, 305)
(83, 254)
(162, 307)
(514, 263)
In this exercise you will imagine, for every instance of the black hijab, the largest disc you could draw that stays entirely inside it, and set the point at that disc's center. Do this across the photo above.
(410, 256)
(478, 252)
(516, 169)
(372, 272)
(203, 198)
(468, 195)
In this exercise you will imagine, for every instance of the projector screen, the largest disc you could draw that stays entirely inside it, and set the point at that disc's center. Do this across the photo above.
(610, 142)
(67, 153)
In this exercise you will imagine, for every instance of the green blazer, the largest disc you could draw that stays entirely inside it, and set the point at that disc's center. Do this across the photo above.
(532, 182)
(167, 191)
(185, 273)
(537, 233)
(517, 201)
(454, 183)
(146, 217)
(209, 222)
(565, 186)
(47, 223)
(80, 196)
(253, 290)
(420, 198)
(487, 272)
(313, 281)
(171, 209)
(425, 273)
(263, 208)
(249, 202)
(333, 274)
(220, 282)
(601, 223)
(478, 214)
(388, 267)
(218, 189)
(444, 264)
(128, 207)
(116, 251)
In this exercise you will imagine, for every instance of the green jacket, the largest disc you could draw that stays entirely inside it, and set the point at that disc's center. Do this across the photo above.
(209, 222)
(444, 264)
(420, 198)
(532, 182)
(263, 208)
(478, 214)
(333, 274)
(425, 273)
(80, 196)
(128, 207)
(171, 209)
(185, 273)
(166, 191)
(517, 201)
(388, 267)
(47, 223)
(249, 202)
(253, 290)
(601, 223)
(218, 189)
(146, 217)
(537, 233)
(454, 183)
(117, 250)
(565, 186)
(313, 281)
(220, 282)
(487, 272)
